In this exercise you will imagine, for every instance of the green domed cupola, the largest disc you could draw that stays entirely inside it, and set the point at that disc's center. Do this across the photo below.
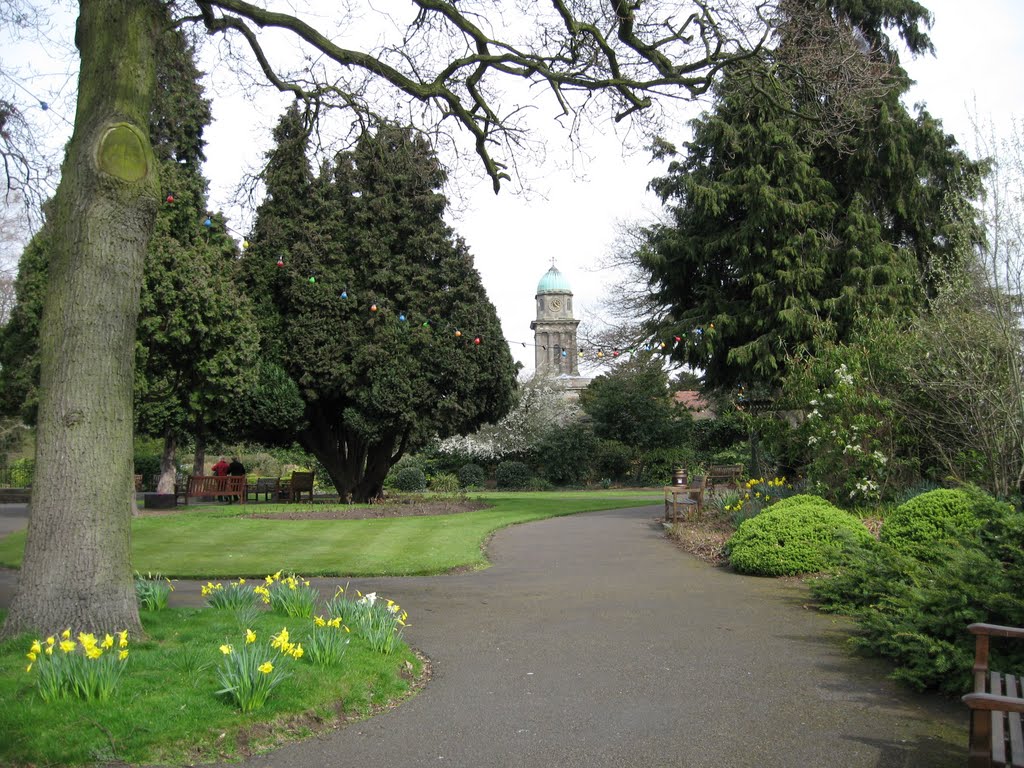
(553, 282)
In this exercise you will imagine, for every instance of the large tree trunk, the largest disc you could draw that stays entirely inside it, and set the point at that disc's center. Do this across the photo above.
(76, 570)
(356, 468)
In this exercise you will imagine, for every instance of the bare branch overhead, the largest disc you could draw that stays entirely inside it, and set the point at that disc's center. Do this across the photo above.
(462, 60)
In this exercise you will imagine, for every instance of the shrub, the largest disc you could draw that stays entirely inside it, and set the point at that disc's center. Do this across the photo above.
(659, 464)
(613, 460)
(22, 473)
(914, 611)
(916, 526)
(512, 475)
(445, 482)
(565, 454)
(795, 537)
(409, 479)
(472, 476)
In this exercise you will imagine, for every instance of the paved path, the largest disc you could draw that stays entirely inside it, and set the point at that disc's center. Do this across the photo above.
(592, 642)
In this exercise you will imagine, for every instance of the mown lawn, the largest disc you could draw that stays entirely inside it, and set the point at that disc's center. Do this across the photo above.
(220, 542)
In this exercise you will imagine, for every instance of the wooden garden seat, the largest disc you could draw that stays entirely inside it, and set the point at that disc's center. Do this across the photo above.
(996, 705)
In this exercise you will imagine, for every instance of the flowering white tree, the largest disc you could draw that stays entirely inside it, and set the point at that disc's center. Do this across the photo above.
(540, 406)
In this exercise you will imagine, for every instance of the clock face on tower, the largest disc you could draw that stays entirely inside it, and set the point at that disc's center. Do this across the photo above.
(555, 304)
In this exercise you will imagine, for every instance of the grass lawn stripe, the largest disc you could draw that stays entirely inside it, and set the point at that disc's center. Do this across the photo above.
(222, 543)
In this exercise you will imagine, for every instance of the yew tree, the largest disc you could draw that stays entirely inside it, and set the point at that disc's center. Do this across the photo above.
(457, 62)
(371, 303)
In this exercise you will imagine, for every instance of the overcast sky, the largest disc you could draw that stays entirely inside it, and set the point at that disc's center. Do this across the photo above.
(573, 215)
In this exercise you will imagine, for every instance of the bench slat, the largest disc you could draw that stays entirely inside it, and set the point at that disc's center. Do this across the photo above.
(998, 734)
(1015, 688)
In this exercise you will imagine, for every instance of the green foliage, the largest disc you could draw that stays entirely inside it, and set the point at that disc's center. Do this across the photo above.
(658, 464)
(913, 603)
(152, 591)
(776, 239)
(80, 666)
(802, 534)
(445, 482)
(328, 641)
(23, 472)
(632, 405)
(565, 455)
(613, 460)
(362, 314)
(939, 516)
(409, 479)
(513, 476)
(291, 595)
(472, 476)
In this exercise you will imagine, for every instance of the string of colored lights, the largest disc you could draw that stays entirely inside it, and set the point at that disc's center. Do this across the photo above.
(405, 316)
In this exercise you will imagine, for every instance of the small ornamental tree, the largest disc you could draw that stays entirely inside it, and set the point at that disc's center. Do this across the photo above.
(371, 304)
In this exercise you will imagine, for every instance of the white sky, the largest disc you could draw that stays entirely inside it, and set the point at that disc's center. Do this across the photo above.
(572, 216)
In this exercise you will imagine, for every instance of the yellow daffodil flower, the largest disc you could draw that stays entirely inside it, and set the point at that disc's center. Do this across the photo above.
(36, 647)
(226, 649)
(250, 636)
(68, 645)
(108, 642)
(266, 668)
(93, 652)
(296, 652)
(122, 655)
(66, 634)
(122, 639)
(319, 621)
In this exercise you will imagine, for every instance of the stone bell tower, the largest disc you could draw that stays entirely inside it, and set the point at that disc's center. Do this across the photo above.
(554, 330)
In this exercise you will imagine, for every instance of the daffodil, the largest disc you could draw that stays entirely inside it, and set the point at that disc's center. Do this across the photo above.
(226, 649)
(266, 668)
(93, 652)
(122, 655)
(66, 634)
(36, 647)
(319, 621)
(122, 639)
(108, 642)
(68, 645)
(250, 636)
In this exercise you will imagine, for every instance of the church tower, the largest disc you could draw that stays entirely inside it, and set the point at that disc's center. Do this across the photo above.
(554, 330)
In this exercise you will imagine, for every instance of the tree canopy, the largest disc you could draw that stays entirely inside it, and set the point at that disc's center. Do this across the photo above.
(371, 304)
(776, 235)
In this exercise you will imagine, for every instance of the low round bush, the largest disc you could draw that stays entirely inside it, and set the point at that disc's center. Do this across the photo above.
(472, 476)
(940, 516)
(445, 482)
(409, 479)
(797, 535)
(513, 476)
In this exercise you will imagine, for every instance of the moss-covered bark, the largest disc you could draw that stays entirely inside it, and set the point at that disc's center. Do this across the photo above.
(76, 571)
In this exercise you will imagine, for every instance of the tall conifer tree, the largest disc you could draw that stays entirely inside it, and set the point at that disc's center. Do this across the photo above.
(778, 235)
(364, 309)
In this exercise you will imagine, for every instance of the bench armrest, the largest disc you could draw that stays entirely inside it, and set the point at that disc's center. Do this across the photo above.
(995, 630)
(991, 702)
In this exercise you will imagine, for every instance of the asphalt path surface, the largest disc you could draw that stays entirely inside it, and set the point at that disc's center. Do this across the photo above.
(593, 642)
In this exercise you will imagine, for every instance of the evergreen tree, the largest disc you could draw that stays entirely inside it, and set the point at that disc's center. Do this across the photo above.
(776, 237)
(196, 340)
(364, 309)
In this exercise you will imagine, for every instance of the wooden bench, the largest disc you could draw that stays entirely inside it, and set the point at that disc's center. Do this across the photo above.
(270, 487)
(301, 482)
(211, 486)
(996, 705)
(724, 474)
(685, 498)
